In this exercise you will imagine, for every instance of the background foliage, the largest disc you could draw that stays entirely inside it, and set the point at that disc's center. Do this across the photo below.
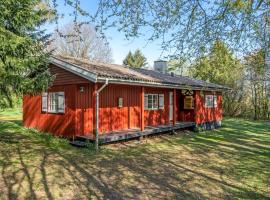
(136, 59)
(81, 42)
(23, 61)
(249, 96)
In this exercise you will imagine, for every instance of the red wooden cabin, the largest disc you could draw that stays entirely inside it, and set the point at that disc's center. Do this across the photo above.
(87, 97)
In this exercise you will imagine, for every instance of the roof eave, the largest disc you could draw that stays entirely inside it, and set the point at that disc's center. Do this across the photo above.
(74, 69)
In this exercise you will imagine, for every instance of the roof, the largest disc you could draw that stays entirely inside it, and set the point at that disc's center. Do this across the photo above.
(98, 72)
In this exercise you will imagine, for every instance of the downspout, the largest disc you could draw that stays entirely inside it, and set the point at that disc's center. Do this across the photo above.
(97, 111)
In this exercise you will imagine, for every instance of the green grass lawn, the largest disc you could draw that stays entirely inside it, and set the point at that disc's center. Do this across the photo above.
(229, 163)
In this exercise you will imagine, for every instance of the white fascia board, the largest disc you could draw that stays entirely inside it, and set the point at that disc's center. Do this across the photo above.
(155, 84)
(74, 69)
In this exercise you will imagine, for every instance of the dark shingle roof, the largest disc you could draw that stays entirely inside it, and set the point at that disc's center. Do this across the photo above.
(121, 72)
(180, 80)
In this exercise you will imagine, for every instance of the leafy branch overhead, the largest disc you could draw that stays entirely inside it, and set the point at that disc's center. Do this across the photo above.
(184, 26)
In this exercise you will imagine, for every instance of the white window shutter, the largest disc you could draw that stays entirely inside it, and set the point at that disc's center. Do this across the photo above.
(44, 106)
(146, 102)
(215, 101)
(61, 102)
(161, 101)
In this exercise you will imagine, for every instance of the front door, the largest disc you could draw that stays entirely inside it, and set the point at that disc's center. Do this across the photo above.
(171, 106)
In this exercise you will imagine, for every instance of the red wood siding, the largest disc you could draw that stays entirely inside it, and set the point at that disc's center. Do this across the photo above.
(58, 124)
(112, 117)
(84, 109)
(204, 114)
(63, 77)
(78, 116)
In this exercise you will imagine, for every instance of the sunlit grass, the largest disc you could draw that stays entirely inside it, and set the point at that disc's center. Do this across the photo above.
(11, 114)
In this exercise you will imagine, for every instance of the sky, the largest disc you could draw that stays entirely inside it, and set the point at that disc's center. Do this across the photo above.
(119, 45)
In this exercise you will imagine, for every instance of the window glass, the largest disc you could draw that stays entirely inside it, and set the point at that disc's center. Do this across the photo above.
(155, 101)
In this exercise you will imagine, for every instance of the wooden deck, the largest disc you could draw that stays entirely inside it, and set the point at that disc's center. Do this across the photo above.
(132, 133)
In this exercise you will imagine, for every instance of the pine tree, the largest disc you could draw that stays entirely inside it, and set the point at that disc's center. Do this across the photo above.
(139, 59)
(128, 61)
(136, 60)
(23, 61)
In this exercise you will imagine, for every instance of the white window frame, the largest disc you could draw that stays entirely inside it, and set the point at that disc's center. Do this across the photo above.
(53, 102)
(151, 102)
(210, 101)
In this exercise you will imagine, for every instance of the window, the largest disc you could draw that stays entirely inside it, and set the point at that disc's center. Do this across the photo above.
(53, 102)
(151, 101)
(210, 101)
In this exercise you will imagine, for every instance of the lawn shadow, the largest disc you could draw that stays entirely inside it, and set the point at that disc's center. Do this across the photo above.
(207, 165)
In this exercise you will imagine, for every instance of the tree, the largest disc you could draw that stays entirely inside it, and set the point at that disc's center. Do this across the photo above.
(221, 67)
(23, 61)
(81, 41)
(185, 27)
(128, 61)
(136, 60)
(260, 95)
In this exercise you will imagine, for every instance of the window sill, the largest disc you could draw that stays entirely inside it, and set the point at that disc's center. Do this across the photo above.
(56, 113)
(152, 109)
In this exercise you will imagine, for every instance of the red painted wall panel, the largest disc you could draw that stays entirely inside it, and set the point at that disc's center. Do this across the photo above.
(84, 109)
(78, 116)
(204, 114)
(63, 77)
(114, 118)
(58, 124)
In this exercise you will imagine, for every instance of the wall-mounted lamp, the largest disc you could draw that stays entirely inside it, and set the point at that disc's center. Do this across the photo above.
(120, 102)
(81, 89)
